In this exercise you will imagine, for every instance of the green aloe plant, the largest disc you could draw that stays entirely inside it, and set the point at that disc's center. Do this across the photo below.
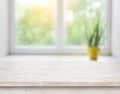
(93, 38)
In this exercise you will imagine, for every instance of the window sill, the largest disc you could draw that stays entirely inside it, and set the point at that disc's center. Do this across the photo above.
(59, 71)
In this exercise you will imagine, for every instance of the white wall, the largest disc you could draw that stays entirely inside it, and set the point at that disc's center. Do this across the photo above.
(4, 14)
(116, 28)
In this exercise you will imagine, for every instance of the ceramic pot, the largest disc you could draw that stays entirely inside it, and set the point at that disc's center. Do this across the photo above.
(93, 53)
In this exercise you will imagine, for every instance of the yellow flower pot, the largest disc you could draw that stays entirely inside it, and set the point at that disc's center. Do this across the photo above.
(93, 53)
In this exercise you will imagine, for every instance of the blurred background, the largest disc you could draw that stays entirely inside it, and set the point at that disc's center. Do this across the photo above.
(35, 21)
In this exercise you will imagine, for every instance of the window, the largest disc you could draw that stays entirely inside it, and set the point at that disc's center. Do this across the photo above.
(54, 26)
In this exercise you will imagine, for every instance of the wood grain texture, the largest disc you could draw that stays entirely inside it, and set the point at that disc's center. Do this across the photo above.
(13, 91)
(92, 90)
(72, 91)
(59, 71)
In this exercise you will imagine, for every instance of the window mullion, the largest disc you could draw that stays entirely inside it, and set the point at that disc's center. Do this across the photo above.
(60, 25)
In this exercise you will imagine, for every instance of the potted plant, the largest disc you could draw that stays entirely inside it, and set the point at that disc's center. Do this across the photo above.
(93, 40)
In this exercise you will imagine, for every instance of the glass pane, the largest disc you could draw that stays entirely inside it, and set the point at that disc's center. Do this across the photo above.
(35, 22)
(81, 15)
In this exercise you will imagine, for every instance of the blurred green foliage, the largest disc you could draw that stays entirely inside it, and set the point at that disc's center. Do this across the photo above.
(84, 13)
(36, 23)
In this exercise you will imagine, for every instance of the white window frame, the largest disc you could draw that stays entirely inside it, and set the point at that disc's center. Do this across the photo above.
(59, 49)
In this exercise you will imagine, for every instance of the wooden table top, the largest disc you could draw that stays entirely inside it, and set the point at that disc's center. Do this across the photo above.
(59, 71)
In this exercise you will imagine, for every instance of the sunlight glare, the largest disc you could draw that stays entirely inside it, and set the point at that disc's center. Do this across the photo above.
(41, 2)
(70, 16)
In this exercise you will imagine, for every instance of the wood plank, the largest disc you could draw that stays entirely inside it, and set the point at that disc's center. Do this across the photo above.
(59, 71)
(72, 90)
